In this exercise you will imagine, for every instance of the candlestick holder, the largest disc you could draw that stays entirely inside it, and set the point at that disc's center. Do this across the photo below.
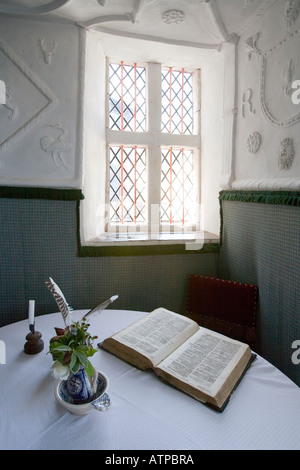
(34, 343)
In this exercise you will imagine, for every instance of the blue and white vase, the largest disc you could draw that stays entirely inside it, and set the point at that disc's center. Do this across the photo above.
(79, 387)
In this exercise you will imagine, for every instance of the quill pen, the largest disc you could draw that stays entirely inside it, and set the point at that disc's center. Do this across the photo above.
(60, 300)
(101, 306)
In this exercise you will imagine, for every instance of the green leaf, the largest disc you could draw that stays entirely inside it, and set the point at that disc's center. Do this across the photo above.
(89, 369)
(54, 344)
(75, 366)
(61, 348)
(86, 350)
(82, 358)
(81, 349)
(73, 361)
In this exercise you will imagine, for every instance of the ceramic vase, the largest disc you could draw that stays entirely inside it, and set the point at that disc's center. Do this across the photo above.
(79, 387)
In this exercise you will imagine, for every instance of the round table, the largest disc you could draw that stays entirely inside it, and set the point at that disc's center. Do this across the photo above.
(263, 412)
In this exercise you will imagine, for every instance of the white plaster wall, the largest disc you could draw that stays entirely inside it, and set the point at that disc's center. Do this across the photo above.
(279, 44)
(94, 150)
(52, 89)
(212, 140)
(44, 90)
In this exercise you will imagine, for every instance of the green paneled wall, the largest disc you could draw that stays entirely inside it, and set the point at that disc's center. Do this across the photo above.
(261, 245)
(38, 239)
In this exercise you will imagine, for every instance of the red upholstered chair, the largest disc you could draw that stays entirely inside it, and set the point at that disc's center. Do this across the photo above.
(227, 307)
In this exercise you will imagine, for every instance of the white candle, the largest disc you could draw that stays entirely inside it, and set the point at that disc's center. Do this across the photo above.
(31, 312)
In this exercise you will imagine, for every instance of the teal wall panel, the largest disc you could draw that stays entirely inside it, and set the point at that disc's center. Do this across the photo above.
(38, 239)
(261, 245)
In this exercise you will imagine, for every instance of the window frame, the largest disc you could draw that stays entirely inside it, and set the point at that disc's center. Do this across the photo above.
(154, 139)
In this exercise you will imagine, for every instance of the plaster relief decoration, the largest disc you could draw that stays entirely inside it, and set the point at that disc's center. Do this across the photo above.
(48, 52)
(173, 16)
(56, 145)
(27, 94)
(132, 17)
(9, 103)
(253, 142)
(291, 12)
(2, 92)
(18, 9)
(252, 46)
(287, 154)
(288, 78)
(247, 102)
(277, 107)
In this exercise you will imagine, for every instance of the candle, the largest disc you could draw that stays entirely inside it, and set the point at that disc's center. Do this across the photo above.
(31, 312)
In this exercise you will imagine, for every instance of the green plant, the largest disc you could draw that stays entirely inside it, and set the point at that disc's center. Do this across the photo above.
(71, 348)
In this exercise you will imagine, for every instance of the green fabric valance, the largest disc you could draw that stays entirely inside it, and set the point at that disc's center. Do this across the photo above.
(288, 198)
(18, 192)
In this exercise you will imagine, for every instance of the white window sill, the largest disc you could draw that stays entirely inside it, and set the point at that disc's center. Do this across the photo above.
(161, 238)
(139, 244)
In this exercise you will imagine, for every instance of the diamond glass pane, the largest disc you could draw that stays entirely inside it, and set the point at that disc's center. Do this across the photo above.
(177, 188)
(127, 178)
(127, 98)
(177, 102)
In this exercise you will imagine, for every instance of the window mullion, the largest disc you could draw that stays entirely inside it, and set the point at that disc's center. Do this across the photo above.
(154, 150)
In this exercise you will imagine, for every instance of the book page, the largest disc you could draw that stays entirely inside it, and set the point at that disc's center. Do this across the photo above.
(205, 360)
(157, 334)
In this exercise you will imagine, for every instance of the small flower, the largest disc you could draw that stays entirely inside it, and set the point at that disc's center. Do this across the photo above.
(59, 371)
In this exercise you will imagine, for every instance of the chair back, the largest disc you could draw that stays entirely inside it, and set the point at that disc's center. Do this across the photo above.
(228, 307)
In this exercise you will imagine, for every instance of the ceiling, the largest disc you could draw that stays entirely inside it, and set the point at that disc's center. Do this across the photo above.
(194, 23)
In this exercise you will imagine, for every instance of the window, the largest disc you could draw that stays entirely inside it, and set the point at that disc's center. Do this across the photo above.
(177, 101)
(140, 171)
(153, 144)
(127, 97)
(177, 186)
(127, 184)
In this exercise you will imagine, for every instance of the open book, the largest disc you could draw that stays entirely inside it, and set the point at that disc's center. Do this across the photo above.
(198, 361)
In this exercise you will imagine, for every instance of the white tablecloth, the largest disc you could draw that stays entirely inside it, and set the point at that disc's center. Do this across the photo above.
(263, 412)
